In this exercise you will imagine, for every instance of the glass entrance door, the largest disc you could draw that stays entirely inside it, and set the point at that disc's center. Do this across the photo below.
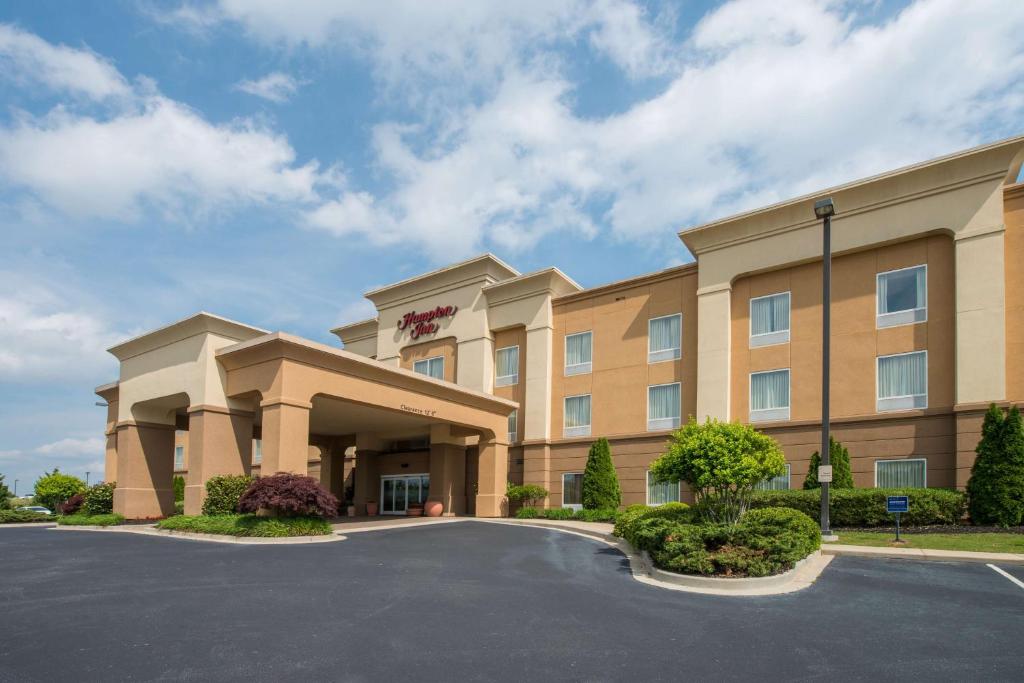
(397, 491)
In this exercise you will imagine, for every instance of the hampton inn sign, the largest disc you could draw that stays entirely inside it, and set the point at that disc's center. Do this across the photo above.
(420, 324)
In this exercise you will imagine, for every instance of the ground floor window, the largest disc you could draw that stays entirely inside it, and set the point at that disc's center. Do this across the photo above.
(659, 494)
(397, 492)
(901, 474)
(179, 457)
(572, 490)
(779, 483)
(257, 451)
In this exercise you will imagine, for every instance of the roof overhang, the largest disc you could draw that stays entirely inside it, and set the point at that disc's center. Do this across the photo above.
(183, 329)
(549, 281)
(485, 269)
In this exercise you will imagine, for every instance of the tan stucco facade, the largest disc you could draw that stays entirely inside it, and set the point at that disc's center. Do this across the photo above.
(359, 417)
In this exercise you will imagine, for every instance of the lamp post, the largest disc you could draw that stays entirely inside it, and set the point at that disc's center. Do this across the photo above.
(87, 478)
(825, 209)
(15, 488)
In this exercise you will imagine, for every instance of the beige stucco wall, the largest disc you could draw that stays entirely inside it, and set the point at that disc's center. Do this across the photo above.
(1014, 287)
(516, 392)
(447, 348)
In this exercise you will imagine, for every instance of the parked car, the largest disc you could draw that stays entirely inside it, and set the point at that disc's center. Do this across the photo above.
(35, 508)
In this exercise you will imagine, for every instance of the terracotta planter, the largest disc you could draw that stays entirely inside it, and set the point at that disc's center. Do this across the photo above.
(414, 511)
(433, 508)
(371, 508)
(351, 510)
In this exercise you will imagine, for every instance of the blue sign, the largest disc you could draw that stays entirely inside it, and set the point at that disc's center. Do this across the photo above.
(897, 504)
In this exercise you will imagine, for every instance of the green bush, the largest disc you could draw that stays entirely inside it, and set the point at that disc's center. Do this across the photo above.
(626, 517)
(674, 512)
(109, 519)
(223, 493)
(529, 494)
(99, 499)
(55, 488)
(179, 488)
(528, 512)
(996, 487)
(247, 525)
(558, 513)
(5, 495)
(179, 507)
(24, 516)
(585, 515)
(839, 458)
(600, 483)
(722, 462)
(866, 507)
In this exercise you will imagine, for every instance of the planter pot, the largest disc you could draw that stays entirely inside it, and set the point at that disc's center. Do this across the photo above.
(351, 510)
(414, 511)
(371, 508)
(433, 508)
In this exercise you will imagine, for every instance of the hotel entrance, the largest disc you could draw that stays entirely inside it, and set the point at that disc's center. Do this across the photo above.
(398, 491)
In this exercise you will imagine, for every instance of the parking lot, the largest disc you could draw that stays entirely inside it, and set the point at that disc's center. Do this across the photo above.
(474, 601)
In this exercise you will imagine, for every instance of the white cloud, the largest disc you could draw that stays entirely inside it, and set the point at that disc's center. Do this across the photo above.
(275, 87)
(72, 455)
(69, 446)
(29, 59)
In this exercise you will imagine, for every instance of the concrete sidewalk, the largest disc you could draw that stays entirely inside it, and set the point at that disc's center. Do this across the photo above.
(921, 554)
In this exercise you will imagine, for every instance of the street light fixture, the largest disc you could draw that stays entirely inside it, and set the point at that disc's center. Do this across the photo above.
(825, 209)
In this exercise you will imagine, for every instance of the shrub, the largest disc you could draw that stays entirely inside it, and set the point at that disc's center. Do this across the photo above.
(642, 526)
(527, 512)
(585, 515)
(289, 495)
(179, 507)
(558, 513)
(223, 493)
(99, 499)
(247, 525)
(179, 488)
(72, 504)
(625, 518)
(722, 462)
(786, 535)
(23, 516)
(839, 458)
(108, 519)
(866, 507)
(54, 488)
(996, 487)
(5, 495)
(530, 494)
(600, 483)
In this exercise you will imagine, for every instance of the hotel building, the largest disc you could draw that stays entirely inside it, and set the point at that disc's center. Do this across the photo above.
(476, 374)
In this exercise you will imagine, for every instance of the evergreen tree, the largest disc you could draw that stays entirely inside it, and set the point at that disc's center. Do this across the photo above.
(5, 494)
(839, 458)
(995, 490)
(600, 483)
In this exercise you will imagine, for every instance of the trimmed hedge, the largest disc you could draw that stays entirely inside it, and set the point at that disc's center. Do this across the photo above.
(247, 525)
(566, 513)
(866, 507)
(109, 519)
(24, 517)
(99, 499)
(223, 493)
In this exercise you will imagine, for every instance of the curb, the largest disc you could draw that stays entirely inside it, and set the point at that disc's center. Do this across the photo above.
(920, 554)
(210, 538)
(28, 525)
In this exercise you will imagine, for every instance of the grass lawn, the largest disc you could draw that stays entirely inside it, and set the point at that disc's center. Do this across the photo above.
(247, 525)
(977, 542)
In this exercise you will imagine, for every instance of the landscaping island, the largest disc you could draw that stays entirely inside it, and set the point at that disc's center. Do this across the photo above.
(250, 526)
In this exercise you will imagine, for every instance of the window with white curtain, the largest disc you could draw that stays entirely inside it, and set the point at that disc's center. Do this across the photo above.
(902, 296)
(572, 490)
(769, 395)
(506, 372)
(779, 483)
(903, 381)
(578, 353)
(659, 494)
(901, 474)
(769, 319)
(257, 451)
(664, 338)
(577, 415)
(513, 426)
(179, 457)
(433, 367)
(663, 406)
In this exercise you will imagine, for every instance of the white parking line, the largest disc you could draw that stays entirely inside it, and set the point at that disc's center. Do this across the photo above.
(1009, 576)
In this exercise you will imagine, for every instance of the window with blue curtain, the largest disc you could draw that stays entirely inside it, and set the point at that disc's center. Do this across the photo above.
(433, 367)
(900, 474)
(664, 338)
(506, 372)
(902, 296)
(659, 494)
(663, 406)
(769, 319)
(903, 381)
(779, 483)
(578, 353)
(577, 415)
(769, 395)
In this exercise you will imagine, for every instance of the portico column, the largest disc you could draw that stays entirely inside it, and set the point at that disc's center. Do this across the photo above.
(219, 442)
(145, 470)
(285, 436)
(447, 470)
(366, 482)
(493, 479)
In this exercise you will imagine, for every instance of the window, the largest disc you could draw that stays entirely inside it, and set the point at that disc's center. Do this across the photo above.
(572, 490)
(434, 367)
(257, 451)
(179, 457)
(664, 338)
(902, 297)
(659, 494)
(577, 415)
(513, 424)
(769, 395)
(769, 319)
(663, 407)
(901, 474)
(779, 483)
(578, 353)
(507, 370)
(903, 381)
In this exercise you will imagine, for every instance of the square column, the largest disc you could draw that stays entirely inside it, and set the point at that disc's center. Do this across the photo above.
(366, 482)
(145, 469)
(448, 477)
(219, 442)
(285, 436)
(493, 480)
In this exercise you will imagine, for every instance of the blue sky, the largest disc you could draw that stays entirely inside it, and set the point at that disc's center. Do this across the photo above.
(270, 161)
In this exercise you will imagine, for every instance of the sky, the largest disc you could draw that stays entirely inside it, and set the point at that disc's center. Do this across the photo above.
(270, 161)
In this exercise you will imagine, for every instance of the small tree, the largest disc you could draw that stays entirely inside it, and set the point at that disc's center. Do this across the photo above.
(996, 488)
(55, 488)
(5, 495)
(722, 462)
(179, 488)
(600, 483)
(289, 495)
(839, 458)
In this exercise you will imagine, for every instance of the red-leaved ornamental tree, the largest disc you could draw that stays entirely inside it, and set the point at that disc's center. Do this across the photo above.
(289, 495)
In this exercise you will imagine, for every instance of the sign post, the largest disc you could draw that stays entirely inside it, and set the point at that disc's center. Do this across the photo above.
(897, 505)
